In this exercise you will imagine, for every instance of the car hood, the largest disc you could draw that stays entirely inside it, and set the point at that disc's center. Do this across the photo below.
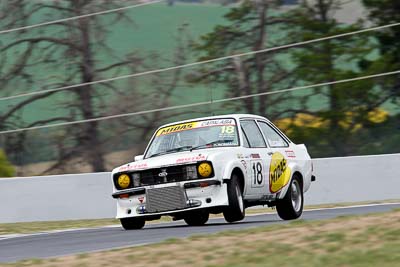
(172, 159)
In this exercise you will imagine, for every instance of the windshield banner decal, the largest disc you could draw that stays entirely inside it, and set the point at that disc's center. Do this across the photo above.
(176, 128)
(193, 125)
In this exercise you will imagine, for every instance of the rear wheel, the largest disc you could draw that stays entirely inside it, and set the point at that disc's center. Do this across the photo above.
(291, 206)
(197, 218)
(235, 211)
(132, 223)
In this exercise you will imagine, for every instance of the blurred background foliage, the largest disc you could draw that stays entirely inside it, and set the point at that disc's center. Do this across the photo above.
(355, 118)
(6, 168)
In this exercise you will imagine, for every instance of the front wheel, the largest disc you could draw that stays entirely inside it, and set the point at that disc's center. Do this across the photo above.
(291, 206)
(197, 218)
(132, 223)
(235, 211)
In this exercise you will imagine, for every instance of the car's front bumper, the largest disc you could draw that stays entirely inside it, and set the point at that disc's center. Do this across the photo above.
(198, 195)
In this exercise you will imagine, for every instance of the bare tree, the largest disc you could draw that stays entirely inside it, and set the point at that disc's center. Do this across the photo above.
(159, 91)
(73, 50)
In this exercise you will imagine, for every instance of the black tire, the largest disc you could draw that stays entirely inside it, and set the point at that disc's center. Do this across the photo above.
(196, 218)
(235, 211)
(132, 223)
(291, 206)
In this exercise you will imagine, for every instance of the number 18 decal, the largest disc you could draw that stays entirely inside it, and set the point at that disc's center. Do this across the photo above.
(228, 129)
(257, 173)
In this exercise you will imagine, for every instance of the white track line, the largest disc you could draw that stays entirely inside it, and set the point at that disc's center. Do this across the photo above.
(354, 206)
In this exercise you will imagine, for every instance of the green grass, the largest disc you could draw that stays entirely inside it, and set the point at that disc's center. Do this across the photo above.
(35, 227)
(369, 240)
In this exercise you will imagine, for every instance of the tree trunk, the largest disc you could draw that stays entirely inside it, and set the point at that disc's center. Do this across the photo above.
(336, 138)
(244, 83)
(260, 42)
(89, 141)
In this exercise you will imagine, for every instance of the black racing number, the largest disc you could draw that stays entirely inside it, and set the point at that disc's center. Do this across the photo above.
(257, 172)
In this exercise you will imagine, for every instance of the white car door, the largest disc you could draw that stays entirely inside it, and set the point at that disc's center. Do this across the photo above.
(257, 157)
(279, 172)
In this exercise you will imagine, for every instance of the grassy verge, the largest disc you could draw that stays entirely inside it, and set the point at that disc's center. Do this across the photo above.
(346, 204)
(34, 227)
(346, 241)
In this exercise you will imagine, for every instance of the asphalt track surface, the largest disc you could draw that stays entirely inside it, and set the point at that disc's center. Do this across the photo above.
(46, 245)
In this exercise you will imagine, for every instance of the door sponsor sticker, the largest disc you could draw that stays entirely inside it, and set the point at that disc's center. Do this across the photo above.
(279, 172)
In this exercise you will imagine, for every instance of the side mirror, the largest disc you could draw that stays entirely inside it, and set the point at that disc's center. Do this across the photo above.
(138, 158)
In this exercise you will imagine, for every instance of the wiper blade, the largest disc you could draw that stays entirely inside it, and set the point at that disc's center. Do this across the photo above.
(157, 154)
(176, 149)
(212, 143)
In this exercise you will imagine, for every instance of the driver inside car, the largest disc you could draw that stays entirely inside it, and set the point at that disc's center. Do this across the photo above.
(188, 138)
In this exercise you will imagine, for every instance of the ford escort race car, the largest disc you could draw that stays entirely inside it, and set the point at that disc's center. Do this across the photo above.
(220, 164)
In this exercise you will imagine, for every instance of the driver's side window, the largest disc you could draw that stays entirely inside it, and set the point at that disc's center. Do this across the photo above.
(253, 134)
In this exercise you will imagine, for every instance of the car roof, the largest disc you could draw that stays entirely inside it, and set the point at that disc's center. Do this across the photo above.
(234, 116)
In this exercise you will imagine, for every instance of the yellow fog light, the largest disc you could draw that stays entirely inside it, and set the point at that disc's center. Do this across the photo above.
(205, 169)
(124, 181)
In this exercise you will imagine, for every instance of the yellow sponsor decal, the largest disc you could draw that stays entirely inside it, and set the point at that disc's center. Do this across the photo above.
(279, 172)
(176, 128)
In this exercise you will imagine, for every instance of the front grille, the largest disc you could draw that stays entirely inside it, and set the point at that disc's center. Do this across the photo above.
(152, 177)
(165, 199)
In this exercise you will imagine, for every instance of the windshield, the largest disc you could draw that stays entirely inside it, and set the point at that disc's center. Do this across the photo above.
(193, 135)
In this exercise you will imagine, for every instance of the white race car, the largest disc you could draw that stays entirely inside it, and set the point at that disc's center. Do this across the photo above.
(221, 164)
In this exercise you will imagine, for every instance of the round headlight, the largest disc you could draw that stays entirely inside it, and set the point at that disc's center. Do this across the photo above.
(205, 169)
(124, 181)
